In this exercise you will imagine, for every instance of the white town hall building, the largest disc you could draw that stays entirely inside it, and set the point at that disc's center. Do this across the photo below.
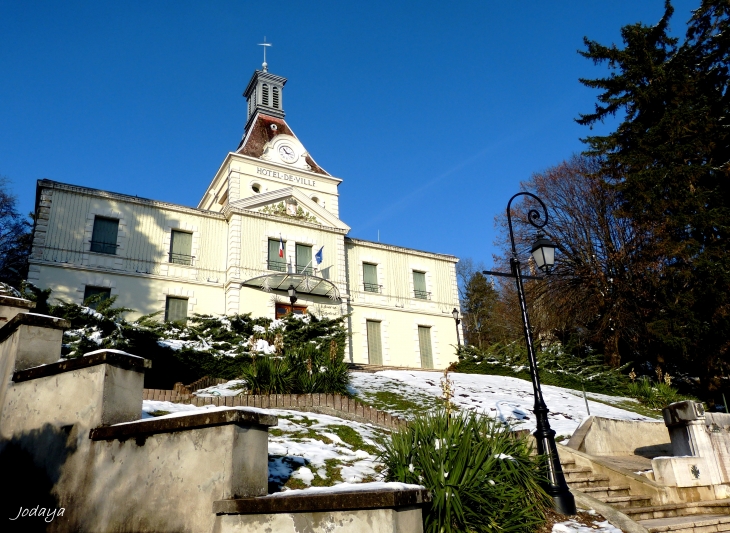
(257, 231)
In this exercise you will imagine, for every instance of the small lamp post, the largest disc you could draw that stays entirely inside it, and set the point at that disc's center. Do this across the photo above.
(292, 296)
(455, 314)
(543, 251)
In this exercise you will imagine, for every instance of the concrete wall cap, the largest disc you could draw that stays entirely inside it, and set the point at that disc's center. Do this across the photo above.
(143, 428)
(332, 501)
(99, 357)
(32, 319)
(12, 301)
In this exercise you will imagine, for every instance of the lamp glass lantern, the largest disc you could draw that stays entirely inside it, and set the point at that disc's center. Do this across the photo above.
(455, 313)
(292, 294)
(543, 252)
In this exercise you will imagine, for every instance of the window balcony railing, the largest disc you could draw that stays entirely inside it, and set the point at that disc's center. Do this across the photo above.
(103, 247)
(372, 287)
(181, 259)
(303, 269)
(279, 266)
(422, 295)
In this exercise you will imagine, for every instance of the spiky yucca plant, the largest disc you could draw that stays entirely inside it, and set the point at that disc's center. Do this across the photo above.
(480, 474)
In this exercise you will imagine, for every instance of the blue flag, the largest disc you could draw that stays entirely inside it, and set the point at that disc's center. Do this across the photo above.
(318, 256)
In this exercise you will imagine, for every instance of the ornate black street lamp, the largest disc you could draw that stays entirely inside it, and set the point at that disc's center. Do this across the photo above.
(543, 252)
(455, 314)
(292, 296)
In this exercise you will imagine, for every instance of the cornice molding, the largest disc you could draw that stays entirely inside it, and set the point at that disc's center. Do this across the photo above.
(401, 249)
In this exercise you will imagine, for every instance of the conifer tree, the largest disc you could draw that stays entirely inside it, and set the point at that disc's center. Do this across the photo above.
(668, 161)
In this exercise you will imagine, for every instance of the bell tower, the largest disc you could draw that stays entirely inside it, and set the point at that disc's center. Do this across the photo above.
(264, 94)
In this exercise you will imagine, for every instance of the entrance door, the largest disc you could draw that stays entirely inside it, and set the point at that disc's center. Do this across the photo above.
(285, 309)
(375, 349)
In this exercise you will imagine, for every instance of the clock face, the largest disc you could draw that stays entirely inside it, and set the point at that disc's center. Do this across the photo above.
(287, 154)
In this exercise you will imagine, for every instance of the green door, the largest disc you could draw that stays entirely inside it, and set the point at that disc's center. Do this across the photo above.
(375, 348)
(424, 344)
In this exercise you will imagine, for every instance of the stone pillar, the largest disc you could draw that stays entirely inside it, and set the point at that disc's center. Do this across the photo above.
(694, 461)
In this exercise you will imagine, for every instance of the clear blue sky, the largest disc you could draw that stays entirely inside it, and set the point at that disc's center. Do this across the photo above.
(431, 112)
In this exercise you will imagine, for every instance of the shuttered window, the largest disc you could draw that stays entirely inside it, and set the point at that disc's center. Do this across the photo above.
(104, 236)
(181, 245)
(176, 309)
(276, 97)
(419, 285)
(370, 277)
(275, 262)
(103, 293)
(304, 258)
(265, 94)
(424, 345)
(375, 348)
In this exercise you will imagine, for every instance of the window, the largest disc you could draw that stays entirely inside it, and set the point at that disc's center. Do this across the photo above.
(284, 309)
(256, 188)
(419, 285)
(101, 293)
(276, 98)
(304, 259)
(375, 348)
(181, 244)
(424, 345)
(104, 236)
(275, 262)
(265, 94)
(176, 309)
(370, 277)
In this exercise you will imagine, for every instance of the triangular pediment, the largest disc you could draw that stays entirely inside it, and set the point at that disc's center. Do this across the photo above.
(292, 203)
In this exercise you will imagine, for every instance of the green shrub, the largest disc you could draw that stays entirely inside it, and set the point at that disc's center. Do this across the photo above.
(654, 395)
(555, 366)
(481, 475)
(206, 345)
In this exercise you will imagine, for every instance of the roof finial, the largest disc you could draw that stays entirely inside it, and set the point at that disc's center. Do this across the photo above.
(264, 64)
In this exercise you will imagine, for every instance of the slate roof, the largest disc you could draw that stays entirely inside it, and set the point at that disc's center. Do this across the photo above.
(260, 132)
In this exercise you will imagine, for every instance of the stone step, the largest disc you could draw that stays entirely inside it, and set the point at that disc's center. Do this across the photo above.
(714, 507)
(577, 473)
(707, 523)
(624, 502)
(606, 492)
(590, 481)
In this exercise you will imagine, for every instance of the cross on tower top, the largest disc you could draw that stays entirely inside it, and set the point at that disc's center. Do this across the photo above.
(265, 65)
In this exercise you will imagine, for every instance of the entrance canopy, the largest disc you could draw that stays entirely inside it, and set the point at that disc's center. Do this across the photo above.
(303, 283)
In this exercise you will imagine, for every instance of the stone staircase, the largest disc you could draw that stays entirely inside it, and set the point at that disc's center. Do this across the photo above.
(692, 517)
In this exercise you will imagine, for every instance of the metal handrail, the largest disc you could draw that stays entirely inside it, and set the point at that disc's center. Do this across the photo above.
(279, 266)
(103, 246)
(421, 295)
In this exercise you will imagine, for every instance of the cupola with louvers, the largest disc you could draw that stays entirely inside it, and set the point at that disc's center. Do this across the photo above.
(264, 95)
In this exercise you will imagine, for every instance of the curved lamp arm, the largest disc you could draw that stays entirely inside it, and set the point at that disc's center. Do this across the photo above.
(533, 217)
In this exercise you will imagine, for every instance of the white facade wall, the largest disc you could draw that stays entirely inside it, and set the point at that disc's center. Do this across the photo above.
(230, 246)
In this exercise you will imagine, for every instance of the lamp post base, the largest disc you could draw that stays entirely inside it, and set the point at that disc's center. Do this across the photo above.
(564, 503)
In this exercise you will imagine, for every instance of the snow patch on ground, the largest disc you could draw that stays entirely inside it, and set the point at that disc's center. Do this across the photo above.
(574, 526)
(505, 398)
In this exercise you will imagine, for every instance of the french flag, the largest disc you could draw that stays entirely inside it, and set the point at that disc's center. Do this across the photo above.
(281, 247)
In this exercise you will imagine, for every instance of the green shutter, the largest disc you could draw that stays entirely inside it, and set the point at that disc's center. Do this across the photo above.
(104, 294)
(275, 262)
(104, 236)
(424, 344)
(304, 258)
(176, 309)
(370, 277)
(375, 349)
(181, 245)
(419, 285)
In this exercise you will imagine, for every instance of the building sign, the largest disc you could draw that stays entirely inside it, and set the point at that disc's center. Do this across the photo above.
(325, 311)
(285, 177)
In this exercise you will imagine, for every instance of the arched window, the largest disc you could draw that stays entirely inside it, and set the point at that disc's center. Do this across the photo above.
(265, 94)
(276, 98)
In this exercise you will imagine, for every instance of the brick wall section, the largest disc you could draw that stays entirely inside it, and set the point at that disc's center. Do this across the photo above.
(283, 401)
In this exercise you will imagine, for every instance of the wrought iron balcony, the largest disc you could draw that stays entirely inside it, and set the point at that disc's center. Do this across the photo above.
(181, 259)
(279, 266)
(103, 247)
(421, 295)
(372, 287)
